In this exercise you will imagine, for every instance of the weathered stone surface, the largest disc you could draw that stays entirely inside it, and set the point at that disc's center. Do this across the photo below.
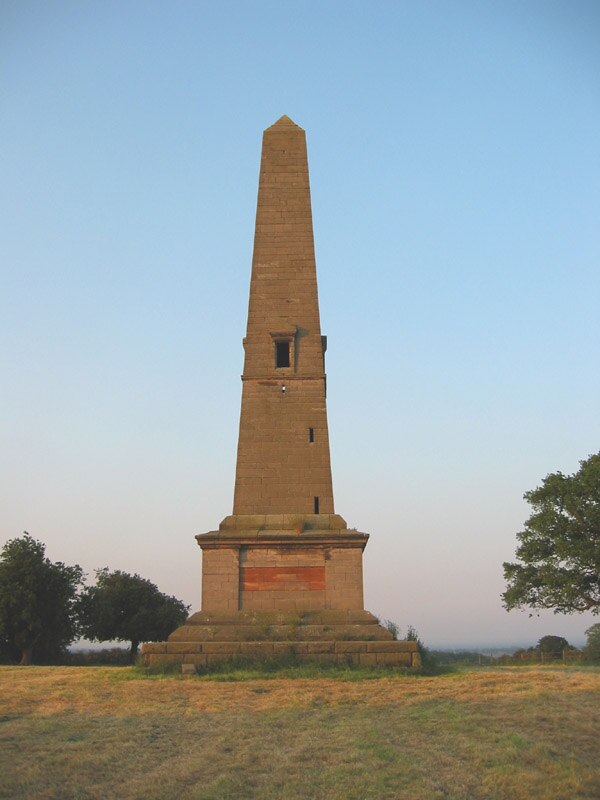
(217, 658)
(301, 618)
(283, 649)
(283, 548)
(320, 647)
(336, 642)
(230, 648)
(184, 647)
(330, 651)
(277, 626)
(351, 647)
(155, 647)
(344, 635)
(392, 647)
(257, 648)
(282, 578)
(279, 469)
(395, 659)
(368, 659)
(283, 574)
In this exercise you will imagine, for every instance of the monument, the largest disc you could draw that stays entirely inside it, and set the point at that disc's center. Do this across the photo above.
(283, 574)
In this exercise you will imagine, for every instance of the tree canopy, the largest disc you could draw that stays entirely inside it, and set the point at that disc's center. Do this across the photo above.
(126, 607)
(559, 548)
(592, 645)
(37, 599)
(553, 644)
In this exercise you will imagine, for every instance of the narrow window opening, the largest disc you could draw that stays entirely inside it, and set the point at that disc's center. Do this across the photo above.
(311, 434)
(282, 354)
(316, 505)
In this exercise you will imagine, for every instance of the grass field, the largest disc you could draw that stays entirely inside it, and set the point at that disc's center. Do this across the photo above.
(109, 732)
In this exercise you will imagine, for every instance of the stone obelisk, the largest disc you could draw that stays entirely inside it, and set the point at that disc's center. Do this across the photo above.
(283, 574)
(283, 462)
(283, 549)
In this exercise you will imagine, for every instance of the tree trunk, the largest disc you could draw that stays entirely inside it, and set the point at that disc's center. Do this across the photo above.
(133, 651)
(26, 655)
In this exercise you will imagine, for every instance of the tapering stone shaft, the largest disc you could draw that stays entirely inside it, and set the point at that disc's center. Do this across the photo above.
(283, 464)
(282, 576)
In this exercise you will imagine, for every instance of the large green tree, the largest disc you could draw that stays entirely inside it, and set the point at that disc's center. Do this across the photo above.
(559, 550)
(128, 608)
(37, 599)
(592, 645)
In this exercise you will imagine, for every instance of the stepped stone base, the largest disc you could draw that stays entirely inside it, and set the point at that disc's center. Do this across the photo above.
(329, 636)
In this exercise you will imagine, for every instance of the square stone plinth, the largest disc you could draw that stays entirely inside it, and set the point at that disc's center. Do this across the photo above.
(281, 570)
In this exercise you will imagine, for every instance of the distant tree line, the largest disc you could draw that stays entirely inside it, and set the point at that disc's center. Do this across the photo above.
(45, 606)
(549, 648)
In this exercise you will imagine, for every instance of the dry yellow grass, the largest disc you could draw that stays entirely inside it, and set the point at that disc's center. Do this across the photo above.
(502, 734)
(110, 690)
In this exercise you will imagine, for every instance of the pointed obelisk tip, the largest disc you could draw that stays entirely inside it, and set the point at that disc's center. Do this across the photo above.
(284, 122)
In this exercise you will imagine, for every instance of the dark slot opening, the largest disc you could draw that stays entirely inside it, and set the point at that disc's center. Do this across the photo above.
(311, 434)
(282, 354)
(316, 505)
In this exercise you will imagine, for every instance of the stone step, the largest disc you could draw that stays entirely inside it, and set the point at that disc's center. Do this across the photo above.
(363, 653)
(293, 632)
(265, 618)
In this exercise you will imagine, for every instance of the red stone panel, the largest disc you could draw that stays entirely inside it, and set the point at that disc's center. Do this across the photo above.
(291, 579)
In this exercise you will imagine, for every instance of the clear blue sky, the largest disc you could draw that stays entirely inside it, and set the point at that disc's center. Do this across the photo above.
(455, 172)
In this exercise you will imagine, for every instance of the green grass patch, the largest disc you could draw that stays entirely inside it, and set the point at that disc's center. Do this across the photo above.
(83, 734)
(427, 751)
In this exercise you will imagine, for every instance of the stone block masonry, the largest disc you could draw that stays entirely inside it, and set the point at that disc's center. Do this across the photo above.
(282, 570)
(284, 551)
(279, 468)
(283, 463)
(326, 637)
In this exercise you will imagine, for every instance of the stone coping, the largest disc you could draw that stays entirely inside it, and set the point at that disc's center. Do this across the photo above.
(278, 522)
(339, 538)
